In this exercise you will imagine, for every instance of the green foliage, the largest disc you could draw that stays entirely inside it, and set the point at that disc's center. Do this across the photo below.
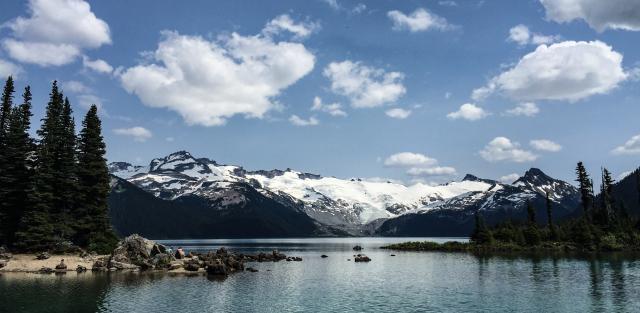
(53, 191)
(481, 234)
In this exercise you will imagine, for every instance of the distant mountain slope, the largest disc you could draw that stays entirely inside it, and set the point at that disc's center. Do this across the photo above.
(626, 191)
(248, 215)
(353, 206)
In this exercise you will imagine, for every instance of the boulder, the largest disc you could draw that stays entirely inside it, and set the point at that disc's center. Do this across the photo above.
(61, 265)
(175, 265)
(46, 270)
(162, 261)
(191, 267)
(251, 269)
(362, 258)
(3, 263)
(43, 256)
(134, 250)
(357, 248)
(123, 266)
(158, 249)
(101, 264)
(217, 268)
(81, 269)
(324, 256)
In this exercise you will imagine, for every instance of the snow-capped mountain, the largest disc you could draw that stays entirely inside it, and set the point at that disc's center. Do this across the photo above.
(352, 205)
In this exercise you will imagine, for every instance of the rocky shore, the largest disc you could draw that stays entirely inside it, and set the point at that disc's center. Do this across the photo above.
(135, 253)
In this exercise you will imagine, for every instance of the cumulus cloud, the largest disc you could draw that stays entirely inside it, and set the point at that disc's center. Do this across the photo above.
(509, 178)
(470, 112)
(409, 159)
(419, 20)
(333, 109)
(55, 32)
(138, 133)
(366, 87)
(524, 109)
(567, 70)
(521, 35)
(599, 14)
(545, 145)
(631, 147)
(8, 68)
(285, 23)
(298, 121)
(432, 171)
(98, 65)
(398, 113)
(75, 86)
(207, 82)
(503, 149)
(448, 3)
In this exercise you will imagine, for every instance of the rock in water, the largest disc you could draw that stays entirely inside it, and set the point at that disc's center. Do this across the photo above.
(357, 248)
(324, 256)
(251, 269)
(81, 269)
(362, 258)
(46, 270)
(138, 251)
(61, 265)
(101, 264)
(217, 268)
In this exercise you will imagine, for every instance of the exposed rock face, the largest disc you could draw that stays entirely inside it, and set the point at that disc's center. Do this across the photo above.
(136, 252)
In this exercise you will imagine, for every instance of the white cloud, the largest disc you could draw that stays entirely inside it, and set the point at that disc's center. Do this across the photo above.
(599, 14)
(398, 113)
(409, 159)
(366, 87)
(284, 22)
(567, 70)
(448, 3)
(470, 112)
(138, 133)
(419, 20)
(521, 35)
(432, 171)
(333, 109)
(86, 100)
(75, 87)
(207, 82)
(333, 4)
(509, 178)
(545, 145)
(524, 109)
(9, 69)
(631, 147)
(98, 65)
(55, 32)
(359, 8)
(503, 149)
(298, 121)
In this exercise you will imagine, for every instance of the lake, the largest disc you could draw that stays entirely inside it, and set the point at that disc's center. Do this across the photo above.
(407, 282)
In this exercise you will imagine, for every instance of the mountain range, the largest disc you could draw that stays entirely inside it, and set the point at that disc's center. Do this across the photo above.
(181, 196)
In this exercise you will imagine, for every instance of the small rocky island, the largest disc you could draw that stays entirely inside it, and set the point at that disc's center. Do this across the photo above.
(135, 253)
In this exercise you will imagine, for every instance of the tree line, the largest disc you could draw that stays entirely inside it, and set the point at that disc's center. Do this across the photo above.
(604, 222)
(53, 188)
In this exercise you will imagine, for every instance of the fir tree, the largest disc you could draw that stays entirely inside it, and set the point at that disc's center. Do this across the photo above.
(5, 113)
(605, 214)
(36, 230)
(16, 178)
(586, 188)
(481, 233)
(552, 228)
(66, 169)
(93, 217)
(531, 213)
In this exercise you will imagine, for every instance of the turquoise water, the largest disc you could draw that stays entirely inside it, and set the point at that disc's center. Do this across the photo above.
(407, 282)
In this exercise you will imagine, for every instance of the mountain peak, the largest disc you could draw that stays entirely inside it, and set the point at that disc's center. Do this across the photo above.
(471, 177)
(534, 176)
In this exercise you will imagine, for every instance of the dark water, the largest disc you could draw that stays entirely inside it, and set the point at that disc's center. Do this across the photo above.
(408, 282)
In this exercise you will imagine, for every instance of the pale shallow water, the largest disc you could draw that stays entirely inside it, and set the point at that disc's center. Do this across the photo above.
(407, 282)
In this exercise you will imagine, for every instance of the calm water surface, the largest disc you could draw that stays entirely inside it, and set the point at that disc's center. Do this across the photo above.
(407, 282)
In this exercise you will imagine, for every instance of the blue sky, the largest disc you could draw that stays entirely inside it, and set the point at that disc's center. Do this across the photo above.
(408, 90)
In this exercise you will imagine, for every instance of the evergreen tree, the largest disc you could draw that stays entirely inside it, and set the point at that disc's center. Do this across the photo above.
(66, 168)
(586, 188)
(5, 113)
(552, 228)
(531, 213)
(605, 214)
(36, 230)
(16, 178)
(481, 233)
(93, 217)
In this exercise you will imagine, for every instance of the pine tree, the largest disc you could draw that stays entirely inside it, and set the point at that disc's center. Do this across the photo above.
(93, 217)
(531, 213)
(586, 188)
(481, 233)
(36, 230)
(66, 169)
(606, 211)
(5, 112)
(16, 179)
(552, 228)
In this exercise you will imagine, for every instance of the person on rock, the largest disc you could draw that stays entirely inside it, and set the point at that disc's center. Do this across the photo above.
(179, 253)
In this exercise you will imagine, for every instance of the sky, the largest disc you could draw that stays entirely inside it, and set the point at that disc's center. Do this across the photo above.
(414, 91)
